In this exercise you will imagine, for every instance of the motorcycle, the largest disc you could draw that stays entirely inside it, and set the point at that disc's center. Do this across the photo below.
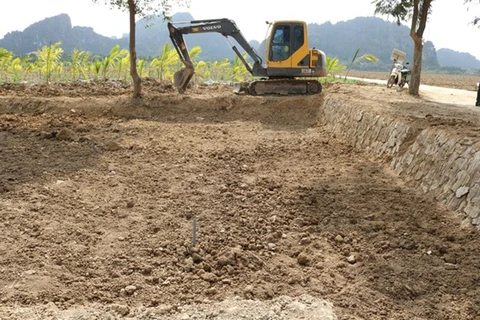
(400, 75)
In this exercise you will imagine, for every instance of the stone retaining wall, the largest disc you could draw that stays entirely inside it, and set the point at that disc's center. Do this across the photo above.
(440, 164)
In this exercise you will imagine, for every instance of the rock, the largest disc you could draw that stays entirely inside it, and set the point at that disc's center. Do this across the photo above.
(120, 309)
(339, 238)
(450, 258)
(248, 289)
(112, 146)
(305, 241)
(303, 259)
(351, 259)
(130, 289)
(462, 191)
(209, 277)
(65, 135)
(196, 258)
(211, 291)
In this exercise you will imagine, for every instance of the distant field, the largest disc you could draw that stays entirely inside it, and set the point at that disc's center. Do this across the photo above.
(457, 81)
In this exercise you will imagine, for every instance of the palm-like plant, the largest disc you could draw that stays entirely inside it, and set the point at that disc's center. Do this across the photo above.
(49, 59)
(123, 67)
(366, 56)
(112, 58)
(79, 64)
(141, 67)
(95, 68)
(202, 71)
(239, 71)
(220, 69)
(161, 64)
(333, 67)
(5, 60)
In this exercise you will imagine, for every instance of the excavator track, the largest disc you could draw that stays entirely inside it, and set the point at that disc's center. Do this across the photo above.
(280, 87)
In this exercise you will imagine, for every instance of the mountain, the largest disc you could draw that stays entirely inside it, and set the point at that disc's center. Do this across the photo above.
(370, 35)
(447, 57)
(341, 40)
(150, 39)
(58, 28)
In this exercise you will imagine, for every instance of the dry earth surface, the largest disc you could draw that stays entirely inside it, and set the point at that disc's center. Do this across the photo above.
(100, 197)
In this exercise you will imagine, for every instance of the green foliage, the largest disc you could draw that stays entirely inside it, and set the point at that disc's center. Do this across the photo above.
(476, 20)
(79, 64)
(5, 60)
(111, 60)
(95, 68)
(399, 9)
(49, 60)
(366, 56)
(239, 71)
(219, 70)
(141, 67)
(202, 71)
(333, 68)
(122, 67)
(146, 7)
(165, 61)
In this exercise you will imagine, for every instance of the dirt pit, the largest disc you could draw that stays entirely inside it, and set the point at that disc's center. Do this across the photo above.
(211, 205)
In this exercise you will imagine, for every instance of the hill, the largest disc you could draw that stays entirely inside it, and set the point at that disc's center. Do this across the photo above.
(368, 34)
(448, 57)
(58, 28)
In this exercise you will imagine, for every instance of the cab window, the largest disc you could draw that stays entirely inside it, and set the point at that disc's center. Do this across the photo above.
(280, 47)
(297, 37)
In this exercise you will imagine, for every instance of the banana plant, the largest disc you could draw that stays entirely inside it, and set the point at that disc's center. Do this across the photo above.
(5, 60)
(333, 67)
(123, 68)
(110, 60)
(168, 58)
(202, 71)
(49, 59)
(239, 71)
(95, 68)
(220, 69)
(141, 67)
(366, 56)
(79, 64)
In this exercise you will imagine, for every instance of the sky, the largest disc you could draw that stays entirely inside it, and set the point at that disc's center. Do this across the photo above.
(449, 25)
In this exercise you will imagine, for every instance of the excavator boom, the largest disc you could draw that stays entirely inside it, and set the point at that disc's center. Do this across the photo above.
(227, 28)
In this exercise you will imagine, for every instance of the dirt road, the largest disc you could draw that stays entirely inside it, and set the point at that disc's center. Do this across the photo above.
(438, 94)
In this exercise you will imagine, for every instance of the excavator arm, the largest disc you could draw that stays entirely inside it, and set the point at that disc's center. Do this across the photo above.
(225, 27)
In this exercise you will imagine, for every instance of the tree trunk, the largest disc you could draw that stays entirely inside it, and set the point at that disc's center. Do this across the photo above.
(414, 85)
(137, 81)
(421, 10)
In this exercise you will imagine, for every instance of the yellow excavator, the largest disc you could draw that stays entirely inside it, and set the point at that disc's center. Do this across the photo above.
(290, 68)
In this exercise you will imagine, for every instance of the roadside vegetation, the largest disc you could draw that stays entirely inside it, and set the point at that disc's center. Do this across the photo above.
(51, 64)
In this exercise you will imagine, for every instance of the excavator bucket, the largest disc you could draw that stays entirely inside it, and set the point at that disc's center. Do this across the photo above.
(182, 78)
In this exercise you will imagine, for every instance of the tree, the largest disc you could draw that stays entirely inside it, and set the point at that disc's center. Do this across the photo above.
(476, 20)
(141, 8)
(417, 11)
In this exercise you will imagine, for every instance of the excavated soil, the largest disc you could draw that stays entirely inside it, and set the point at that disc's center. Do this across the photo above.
(164, 207)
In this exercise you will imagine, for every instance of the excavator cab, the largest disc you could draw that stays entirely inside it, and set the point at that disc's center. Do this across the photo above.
(288, 53)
